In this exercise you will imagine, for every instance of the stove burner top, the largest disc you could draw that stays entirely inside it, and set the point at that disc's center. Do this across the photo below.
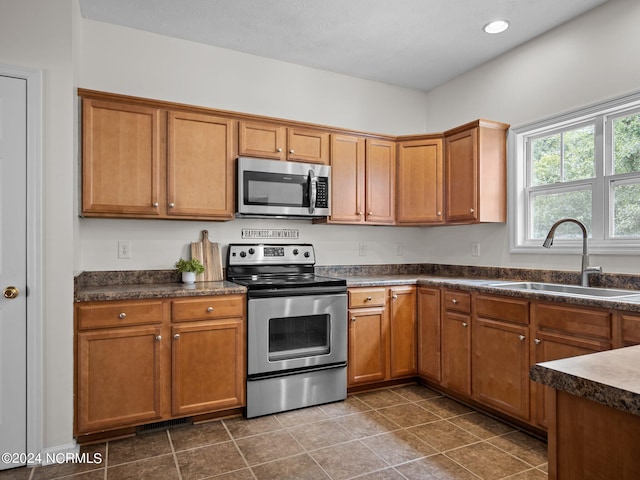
(288, 281)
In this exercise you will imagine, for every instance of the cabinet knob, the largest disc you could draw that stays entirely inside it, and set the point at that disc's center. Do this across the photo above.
(471, 210)
(368, 299)
(176, 336)
(521, 337)
(122, 315)
(537, 341)
(210, 309)
(359, 213)
(439, 214)
(278, 150)
(353, 319)
(455, 300)
(370, 213)
(171, 205)
(394, 296)
(156, 204)
(158, 338)
(465, 324)
(292, 151)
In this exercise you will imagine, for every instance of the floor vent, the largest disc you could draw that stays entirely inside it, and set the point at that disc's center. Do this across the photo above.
(166, 424)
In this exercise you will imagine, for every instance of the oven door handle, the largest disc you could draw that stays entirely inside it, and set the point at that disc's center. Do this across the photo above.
(313, 191)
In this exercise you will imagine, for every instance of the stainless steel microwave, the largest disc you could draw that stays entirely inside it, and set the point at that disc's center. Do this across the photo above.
(275, 188)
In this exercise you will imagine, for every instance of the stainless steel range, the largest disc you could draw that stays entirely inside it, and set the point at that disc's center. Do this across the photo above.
(296, 327)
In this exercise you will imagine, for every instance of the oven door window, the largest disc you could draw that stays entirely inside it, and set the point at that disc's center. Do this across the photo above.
(301, 336)
(276, 189)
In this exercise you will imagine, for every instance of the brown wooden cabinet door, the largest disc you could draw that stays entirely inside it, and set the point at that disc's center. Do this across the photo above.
(403, 331)
(262, 140)
(121, 166)
(429, 333)
(501, 366)
(461, 174)
(419, 182)
(368, 346)
(347, 179)
(208, 366)
(456, 352)
(119, 377)
(200, 175)
(307, 146)
(549, 346)
(380, 174)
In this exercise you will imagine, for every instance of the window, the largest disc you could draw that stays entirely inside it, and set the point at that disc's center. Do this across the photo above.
(583, 165)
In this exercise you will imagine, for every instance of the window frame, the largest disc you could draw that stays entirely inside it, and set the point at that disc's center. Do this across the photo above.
(601, 240)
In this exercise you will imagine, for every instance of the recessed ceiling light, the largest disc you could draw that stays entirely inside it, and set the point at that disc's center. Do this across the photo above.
(497, 26)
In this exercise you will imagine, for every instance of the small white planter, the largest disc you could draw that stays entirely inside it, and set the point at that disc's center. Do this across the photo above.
(189, 277)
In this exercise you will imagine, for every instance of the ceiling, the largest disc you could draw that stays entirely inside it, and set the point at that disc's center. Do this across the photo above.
(417, 44)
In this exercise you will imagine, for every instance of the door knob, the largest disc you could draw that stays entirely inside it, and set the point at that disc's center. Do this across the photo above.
(11, 292)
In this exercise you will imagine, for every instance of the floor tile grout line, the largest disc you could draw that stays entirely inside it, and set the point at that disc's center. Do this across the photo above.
(106, 460)
(175, 457)
(459, 464)
(224, 424)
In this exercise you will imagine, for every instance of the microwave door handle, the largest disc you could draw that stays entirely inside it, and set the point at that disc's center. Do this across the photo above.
(313, 191)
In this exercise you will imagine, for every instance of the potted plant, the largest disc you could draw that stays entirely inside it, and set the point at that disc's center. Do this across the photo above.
(189, 269)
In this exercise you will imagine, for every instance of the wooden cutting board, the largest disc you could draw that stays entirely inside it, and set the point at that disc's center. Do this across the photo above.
(209, 255)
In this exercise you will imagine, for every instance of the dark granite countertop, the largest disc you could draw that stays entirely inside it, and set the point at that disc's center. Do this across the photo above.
(611, 378)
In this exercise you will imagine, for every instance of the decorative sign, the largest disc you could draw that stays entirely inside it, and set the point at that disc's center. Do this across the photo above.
(273, 234)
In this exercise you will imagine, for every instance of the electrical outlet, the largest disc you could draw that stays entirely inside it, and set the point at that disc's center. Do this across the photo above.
(475, 249)
(399, 249)
(124, 249)
(362, 249)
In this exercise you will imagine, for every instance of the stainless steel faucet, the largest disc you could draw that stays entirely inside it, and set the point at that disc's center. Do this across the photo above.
(586, 270)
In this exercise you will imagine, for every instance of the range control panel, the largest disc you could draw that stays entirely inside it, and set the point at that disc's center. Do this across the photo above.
(271, 254)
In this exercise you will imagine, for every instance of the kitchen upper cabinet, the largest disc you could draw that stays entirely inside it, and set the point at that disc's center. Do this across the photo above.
(368, 336)
(279, 142)
(403, 331)
(561, 331)
(456, 341)
(140, 161)
(122, 161)
(475, 173)
(380, 180)
(347, 179)
(429, 333)
(200, 173)
(419, 182)
(501, 354)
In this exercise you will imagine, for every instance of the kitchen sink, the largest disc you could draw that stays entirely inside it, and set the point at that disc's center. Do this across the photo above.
(566, 289)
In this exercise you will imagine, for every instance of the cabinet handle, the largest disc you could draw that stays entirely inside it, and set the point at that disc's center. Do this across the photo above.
(171, 205)
(394, 296)
(176, 336)
(471, 210)
(278, 150)
(521, 337)
(465, 324)
(353, 319)
(158, 338)
(292, 151)
(537, 341)
(156, 204)
(210, 309)
(122, 315)
(454, 301)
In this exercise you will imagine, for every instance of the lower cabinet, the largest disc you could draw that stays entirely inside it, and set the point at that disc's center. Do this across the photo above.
(429, 333)
(382, 334)
(456, 341)
(143, 361)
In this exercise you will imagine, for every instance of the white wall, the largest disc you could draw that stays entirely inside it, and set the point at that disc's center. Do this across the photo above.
(132, 62)
(590, 59)
(38, 34)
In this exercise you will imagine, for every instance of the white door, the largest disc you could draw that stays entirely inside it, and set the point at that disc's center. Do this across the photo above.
(13, 271)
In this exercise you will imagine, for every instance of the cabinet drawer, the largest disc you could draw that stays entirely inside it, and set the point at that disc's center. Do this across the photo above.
(579, 321)
(367, 297)
(507, 309)
(223, 306)
(630, 329)
(457, 301)
(118, 314)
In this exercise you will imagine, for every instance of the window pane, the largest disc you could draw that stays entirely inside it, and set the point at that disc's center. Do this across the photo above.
(626, 210)
(579, 154)
(548, 209)
(626, 144)
(545, 165)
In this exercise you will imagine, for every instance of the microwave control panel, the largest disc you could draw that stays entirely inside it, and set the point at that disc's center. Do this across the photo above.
(322, 193)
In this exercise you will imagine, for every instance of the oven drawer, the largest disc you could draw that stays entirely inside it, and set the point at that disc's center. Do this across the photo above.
(367, 297)
(207, 308)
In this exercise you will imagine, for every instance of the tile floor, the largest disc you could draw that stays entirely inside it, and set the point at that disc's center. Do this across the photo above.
(407, 432)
